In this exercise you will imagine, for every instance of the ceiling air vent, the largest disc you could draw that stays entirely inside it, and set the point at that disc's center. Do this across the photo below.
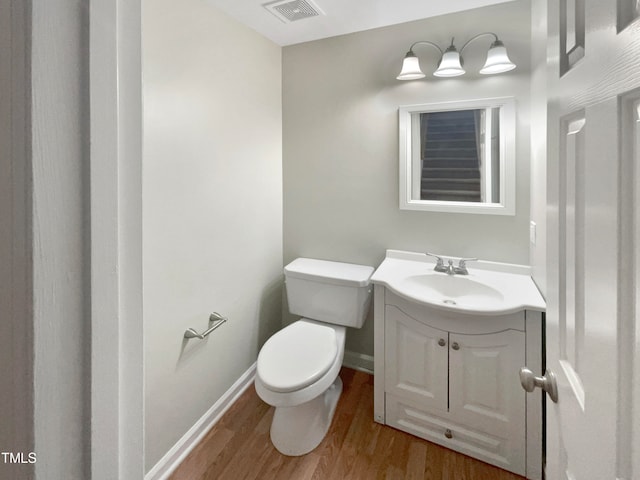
(292, 10)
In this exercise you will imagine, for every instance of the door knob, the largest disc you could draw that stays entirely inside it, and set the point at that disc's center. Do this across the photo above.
(548, 383)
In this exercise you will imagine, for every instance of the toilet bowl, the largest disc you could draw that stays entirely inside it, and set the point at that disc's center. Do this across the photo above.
(297, 368)
(301, 381)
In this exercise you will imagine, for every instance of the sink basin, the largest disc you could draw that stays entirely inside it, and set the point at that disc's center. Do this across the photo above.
(490, 288)
(452, 290)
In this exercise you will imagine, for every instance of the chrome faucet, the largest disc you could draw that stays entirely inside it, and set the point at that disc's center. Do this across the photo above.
(450, 269)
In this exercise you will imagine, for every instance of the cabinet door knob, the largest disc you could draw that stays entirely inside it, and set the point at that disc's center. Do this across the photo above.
(448, 434)
(455, 346)
(442, 342)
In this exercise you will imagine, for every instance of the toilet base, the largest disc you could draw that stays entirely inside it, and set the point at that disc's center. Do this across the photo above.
(297, 430)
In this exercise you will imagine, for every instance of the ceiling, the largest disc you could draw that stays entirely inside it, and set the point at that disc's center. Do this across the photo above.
(340, 16)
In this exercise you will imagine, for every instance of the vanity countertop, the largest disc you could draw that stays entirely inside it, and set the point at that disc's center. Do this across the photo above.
(490, 288)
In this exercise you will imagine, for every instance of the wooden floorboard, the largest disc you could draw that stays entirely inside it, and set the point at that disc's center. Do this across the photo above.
(356, 448)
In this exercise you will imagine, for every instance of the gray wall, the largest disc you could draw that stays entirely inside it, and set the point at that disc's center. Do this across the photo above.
(340, 112)
(212, 208)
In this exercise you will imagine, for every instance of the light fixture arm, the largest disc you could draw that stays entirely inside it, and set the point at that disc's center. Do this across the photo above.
(476, 37)
(426, 42)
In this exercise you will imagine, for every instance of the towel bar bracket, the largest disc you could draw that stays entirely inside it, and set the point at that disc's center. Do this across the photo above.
(215, 320)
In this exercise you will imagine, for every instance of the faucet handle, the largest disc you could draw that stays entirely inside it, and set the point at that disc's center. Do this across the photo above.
(463, 261)
(438, 257)
(461, 269)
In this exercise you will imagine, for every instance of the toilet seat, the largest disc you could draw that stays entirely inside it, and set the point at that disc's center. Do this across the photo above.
(297, 356)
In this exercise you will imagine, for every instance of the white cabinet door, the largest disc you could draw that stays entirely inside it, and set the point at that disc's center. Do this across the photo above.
(415, 360)
(485, 391)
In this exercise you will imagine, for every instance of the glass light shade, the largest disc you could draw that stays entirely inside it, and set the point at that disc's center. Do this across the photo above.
(410, 68)
(450, 65)
(497, 60)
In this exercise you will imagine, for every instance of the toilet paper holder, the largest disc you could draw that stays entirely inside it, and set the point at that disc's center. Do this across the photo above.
(215, 320)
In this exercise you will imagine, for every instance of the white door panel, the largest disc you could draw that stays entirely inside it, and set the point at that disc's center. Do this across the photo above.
(592, 328)
(483, 383)
(416, 360)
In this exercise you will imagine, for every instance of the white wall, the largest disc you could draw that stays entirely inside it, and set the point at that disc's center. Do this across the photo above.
(340, 109)
(212, 208)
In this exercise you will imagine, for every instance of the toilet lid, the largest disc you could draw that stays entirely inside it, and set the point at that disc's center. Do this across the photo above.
(297, 356)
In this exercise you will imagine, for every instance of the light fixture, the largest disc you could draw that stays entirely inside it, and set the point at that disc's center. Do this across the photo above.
(451, 62)
(497, 60)
(410, 68)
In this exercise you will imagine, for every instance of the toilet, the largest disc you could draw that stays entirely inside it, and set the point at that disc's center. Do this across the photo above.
(297, 368)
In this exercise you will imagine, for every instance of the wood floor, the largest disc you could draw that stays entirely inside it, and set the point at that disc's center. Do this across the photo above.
(238, 447)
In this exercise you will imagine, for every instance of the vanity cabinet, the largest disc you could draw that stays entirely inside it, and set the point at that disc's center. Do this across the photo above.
(452, 379)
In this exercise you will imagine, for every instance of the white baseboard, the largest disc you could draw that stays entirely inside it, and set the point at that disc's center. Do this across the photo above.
(358, 361)
(189, 440)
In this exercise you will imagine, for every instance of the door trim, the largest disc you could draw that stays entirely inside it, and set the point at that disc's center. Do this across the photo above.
(117, 380)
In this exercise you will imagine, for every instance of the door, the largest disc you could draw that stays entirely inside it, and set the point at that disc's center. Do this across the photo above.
(416, 360)
(592, 264)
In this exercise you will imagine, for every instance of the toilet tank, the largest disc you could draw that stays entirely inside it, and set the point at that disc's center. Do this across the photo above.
(332, 292)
